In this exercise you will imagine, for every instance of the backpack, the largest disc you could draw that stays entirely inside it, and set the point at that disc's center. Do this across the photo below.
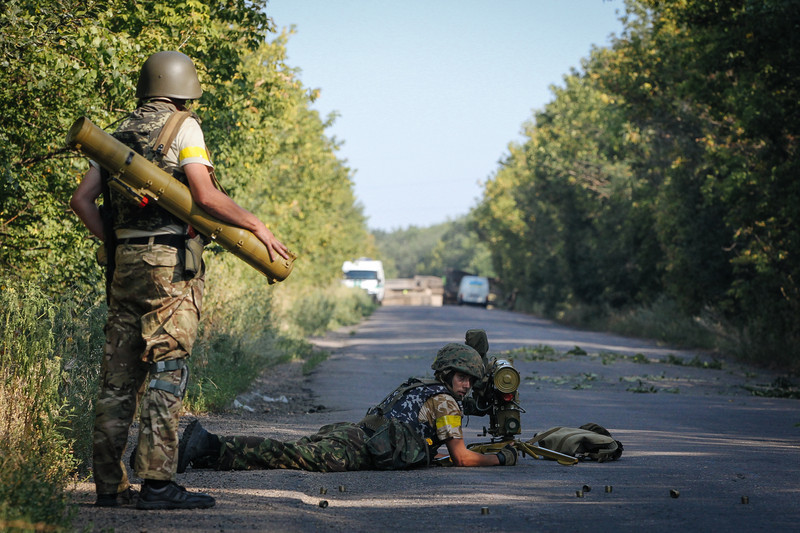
(588, 442)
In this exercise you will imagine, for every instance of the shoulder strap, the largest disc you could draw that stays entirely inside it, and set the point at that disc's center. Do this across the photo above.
(109, 237)
(169, 131)
(167, 136)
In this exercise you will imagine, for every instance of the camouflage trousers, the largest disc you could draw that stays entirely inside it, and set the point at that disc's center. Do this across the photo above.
(153, 314)
(334, 448)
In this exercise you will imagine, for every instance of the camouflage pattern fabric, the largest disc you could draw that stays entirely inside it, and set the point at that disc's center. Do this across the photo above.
(153, 316)
(443, 413)
(459, 357)
(428, 409)
(407, 408)
(334, 448)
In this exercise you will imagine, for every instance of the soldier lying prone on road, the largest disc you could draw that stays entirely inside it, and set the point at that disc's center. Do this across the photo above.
(403, 431)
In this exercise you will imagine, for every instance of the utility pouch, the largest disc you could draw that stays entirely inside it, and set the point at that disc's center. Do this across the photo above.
(101, 255)
(193, 261)
(396, 446)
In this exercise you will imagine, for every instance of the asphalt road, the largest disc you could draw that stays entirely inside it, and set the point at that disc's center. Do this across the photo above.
(688, 429)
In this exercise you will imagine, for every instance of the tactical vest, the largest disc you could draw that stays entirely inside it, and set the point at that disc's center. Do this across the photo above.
(139, 131)
(405, 402)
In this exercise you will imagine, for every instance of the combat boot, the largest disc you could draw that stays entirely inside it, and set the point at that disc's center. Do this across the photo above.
(172, 496)
(126, 497)
(196, 447)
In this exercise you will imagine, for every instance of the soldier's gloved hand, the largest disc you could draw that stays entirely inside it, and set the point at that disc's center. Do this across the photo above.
(507, 455)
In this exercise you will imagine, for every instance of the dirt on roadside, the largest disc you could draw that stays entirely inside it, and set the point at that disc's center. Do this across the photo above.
(276, 398)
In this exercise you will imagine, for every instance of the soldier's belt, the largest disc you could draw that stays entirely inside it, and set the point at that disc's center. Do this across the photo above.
(176, 241)
(146, 179)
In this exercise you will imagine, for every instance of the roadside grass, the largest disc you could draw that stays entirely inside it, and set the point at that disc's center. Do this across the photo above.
(231, 351)
(312, 362)
(50, 355)
(313, 311)
(37, 424)
(662, 321)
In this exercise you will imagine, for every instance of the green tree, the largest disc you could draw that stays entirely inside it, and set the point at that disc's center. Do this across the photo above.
(460, 248)
(63, 58)
(430, 251)
(665, 168)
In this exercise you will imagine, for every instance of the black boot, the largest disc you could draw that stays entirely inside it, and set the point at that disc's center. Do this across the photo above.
(172, 496)
(126, 497)
(197, 447)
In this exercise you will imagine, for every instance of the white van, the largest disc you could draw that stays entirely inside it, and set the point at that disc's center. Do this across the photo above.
(366, 274)
(473, 290)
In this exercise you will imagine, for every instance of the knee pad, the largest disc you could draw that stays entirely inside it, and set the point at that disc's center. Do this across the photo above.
(161, 367)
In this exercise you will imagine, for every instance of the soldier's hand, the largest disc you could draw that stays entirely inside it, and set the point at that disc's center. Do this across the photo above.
(275, 247)
(507, 455)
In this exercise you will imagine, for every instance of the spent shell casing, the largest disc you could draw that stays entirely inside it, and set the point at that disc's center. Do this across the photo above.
(674, 493)
(323, 490)
(323, 503)
(579, 493)
(484, 510)
(341, 488)
(587, 488)
(609, 488)
(745, 499)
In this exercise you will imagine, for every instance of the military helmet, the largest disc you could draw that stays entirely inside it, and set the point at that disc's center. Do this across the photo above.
(171, 74)
(459, 358)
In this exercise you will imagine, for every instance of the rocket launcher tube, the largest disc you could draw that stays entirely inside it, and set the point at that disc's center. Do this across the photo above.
(145, 177)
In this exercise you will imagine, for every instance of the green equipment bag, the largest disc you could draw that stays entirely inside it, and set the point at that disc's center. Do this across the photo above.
(588, 442)
(396, 446)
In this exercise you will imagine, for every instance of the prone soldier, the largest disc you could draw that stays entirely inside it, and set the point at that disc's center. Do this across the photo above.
(403, 431)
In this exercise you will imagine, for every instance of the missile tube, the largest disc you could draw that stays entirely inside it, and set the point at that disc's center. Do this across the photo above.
(139, 173)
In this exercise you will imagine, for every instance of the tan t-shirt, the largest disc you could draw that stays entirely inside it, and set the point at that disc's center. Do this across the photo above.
(442, 413)
(189, 146)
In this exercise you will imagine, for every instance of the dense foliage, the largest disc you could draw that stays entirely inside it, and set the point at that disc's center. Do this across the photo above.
(431, 251)
(61, 59)
(666, 168)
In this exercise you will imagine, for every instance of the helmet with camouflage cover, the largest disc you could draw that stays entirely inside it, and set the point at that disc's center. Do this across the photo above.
(454, 357)
(171, 74)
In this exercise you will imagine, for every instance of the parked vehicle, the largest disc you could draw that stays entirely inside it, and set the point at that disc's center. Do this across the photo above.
(366, 274)
(452, 281)
(473, 290)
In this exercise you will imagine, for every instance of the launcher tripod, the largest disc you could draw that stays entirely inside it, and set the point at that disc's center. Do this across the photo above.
(529, 447)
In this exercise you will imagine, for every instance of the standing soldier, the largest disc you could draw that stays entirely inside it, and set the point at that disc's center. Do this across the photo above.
(154, 288)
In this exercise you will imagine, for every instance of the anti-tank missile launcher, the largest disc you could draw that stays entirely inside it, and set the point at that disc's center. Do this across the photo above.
(143, 181)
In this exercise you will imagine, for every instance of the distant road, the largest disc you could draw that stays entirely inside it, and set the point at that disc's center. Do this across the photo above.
(693, 430)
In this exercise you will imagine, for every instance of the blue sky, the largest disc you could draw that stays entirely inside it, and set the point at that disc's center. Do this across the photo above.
(430, 93)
